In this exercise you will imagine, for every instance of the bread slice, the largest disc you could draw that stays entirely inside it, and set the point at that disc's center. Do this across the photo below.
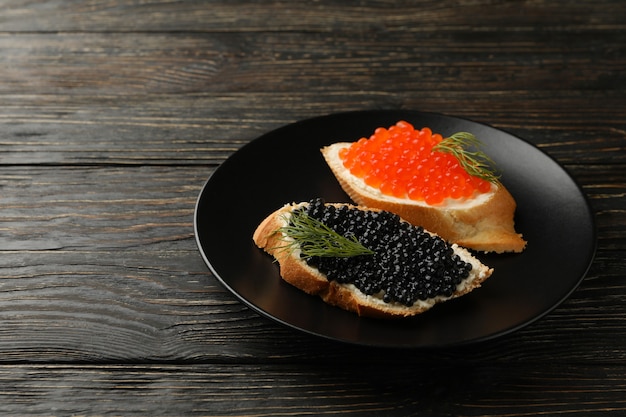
(483, 223)
(297, 272)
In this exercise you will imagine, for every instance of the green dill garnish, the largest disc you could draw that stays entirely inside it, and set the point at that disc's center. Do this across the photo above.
(314, 238)
(475, 162)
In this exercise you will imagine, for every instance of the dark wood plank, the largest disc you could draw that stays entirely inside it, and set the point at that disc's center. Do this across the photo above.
(165, 130)
(337, 389)
(323, 16)
(119, 63)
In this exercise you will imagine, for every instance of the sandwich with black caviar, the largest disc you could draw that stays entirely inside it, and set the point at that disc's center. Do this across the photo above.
(367, 261)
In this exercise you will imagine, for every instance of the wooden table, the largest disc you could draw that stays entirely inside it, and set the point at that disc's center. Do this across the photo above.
(113, 115)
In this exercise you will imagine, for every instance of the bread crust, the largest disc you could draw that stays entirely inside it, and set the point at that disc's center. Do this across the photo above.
(485, 225)
(298, 273)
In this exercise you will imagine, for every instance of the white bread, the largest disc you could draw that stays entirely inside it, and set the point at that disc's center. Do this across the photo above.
(298, 273)
(484, 223)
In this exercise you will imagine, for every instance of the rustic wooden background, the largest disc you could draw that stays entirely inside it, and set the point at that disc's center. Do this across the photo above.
(113, 113)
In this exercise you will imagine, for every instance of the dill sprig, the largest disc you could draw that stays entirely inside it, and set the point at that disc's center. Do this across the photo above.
(314, 238)
(475, 162)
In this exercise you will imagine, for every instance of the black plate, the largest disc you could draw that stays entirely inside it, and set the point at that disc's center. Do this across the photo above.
(286, 166)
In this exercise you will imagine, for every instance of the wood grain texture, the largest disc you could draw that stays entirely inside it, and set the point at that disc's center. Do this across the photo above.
(121, 63)
(113, 113)
(318, 15)
(216, 390)
(196, 98)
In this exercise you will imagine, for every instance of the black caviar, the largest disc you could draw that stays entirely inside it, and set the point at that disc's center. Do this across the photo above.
(409, 264)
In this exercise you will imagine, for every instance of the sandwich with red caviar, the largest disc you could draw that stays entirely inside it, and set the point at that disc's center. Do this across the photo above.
(446, 185)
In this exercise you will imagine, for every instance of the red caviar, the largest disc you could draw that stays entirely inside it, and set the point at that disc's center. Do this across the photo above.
(400, 162)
